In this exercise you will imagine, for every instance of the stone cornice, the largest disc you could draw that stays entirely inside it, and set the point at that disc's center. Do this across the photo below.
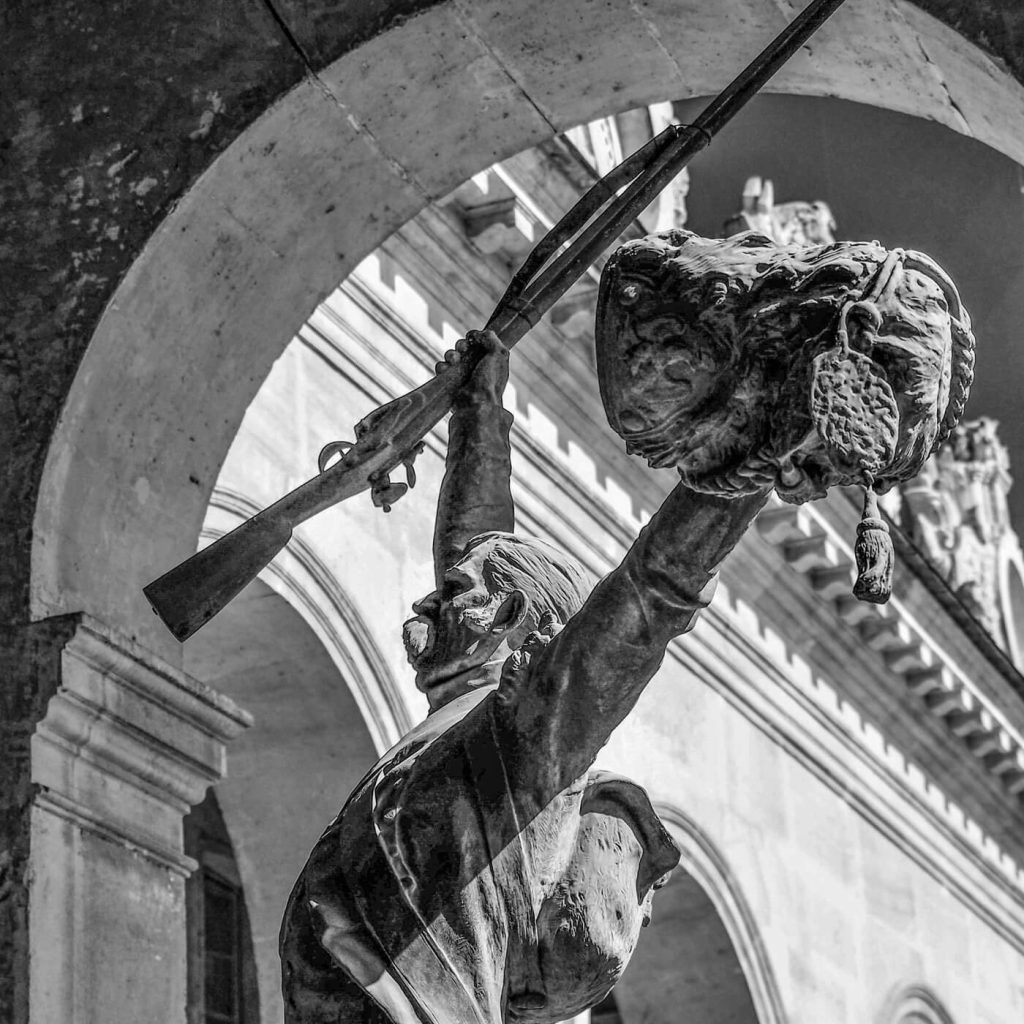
(806, 716)
(813, 549)
(129, 743)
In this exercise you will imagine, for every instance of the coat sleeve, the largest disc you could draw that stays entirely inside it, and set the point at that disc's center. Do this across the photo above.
(476, 495)
(560, 710)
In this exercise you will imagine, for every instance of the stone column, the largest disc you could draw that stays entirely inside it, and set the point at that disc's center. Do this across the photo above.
(123, 744)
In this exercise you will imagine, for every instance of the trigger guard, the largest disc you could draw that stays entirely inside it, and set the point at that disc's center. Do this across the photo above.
(386, 493)
(330, 450)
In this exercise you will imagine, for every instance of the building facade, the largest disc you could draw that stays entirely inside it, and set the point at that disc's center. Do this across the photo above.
(844, 781)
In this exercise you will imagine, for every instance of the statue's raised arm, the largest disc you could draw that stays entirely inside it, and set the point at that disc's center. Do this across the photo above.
(475, 493)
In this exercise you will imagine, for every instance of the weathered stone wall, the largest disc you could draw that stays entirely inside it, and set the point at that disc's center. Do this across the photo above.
(995, 25)
(109, 118)
(30, 666)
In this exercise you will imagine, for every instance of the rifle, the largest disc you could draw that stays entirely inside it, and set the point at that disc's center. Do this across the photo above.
(391, 436)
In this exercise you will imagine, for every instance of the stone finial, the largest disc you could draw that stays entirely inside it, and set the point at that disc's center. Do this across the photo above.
(956, 512)
(793, 223)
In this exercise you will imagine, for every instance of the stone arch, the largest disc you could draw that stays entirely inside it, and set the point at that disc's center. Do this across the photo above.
(290, 773)
(915, 1004)
(337, 164)
(702, 957)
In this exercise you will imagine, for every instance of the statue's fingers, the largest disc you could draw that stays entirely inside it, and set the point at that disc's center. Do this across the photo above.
(487, 341)
(451, 358)
(548, 624)
(533, 644)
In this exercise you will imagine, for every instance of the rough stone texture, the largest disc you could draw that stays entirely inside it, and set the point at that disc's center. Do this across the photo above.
(995, 25)
(108, 120)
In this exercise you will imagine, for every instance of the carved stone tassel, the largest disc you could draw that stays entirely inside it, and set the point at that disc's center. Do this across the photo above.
(874, 554)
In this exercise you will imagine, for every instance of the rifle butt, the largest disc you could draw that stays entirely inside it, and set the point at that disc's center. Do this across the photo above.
(193, 592)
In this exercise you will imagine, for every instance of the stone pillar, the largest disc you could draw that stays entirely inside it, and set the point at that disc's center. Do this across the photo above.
(123, 744)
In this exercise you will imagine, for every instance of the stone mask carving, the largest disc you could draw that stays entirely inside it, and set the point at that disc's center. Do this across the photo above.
(747, 364)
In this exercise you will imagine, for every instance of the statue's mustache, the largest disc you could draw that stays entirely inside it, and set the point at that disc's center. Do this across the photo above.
(416, 636)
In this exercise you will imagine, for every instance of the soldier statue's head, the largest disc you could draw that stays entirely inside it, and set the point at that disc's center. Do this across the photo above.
(489, 602)
(751, 365)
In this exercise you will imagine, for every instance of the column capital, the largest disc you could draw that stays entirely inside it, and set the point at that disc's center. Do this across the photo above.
(128, 743)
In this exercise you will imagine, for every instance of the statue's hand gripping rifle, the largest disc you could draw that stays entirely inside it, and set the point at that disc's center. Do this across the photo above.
(391, 436)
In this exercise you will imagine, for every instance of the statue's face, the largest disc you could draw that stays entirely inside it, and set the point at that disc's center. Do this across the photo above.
(451, 628)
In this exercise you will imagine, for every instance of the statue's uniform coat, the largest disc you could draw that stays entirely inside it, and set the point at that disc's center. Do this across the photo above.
(443, 855)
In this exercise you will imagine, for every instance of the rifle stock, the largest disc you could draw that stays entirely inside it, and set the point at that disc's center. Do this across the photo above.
(191, 594)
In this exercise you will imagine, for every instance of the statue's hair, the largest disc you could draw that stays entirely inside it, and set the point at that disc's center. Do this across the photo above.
(552, 580)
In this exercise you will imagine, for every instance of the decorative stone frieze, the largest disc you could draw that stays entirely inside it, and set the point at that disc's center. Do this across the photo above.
(956, 512)
(811, 549)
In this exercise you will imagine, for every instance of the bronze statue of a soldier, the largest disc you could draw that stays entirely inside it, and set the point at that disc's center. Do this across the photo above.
(481, 872)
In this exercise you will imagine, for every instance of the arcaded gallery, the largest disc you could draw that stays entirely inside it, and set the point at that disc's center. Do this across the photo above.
(508, 512)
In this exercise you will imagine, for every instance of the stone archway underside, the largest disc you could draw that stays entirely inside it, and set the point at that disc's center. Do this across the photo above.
(685, 967)
(340, 162)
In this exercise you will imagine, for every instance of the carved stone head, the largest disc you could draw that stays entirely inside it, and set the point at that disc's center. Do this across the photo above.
(747, 364)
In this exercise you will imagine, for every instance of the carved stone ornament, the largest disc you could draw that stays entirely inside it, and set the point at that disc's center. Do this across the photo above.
(750, 365)
(956, 512)
(792, 223)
